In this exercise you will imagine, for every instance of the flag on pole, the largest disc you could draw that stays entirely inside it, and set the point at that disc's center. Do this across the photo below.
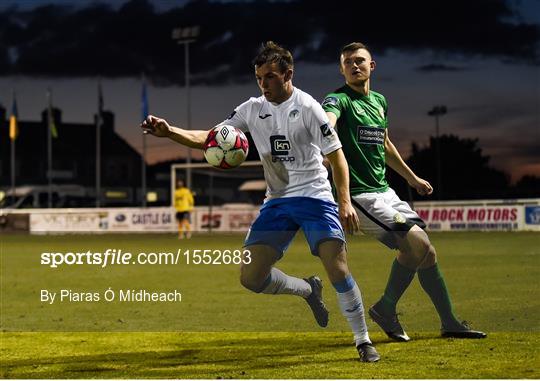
(144, 100)
(100, 103)
(144, 115)
(52, 125)
(99, 124)
(13, 127)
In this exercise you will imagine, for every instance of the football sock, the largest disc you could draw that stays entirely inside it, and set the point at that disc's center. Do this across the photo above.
(280, 283)
(432, 281)
(350, 303)
(400, 278)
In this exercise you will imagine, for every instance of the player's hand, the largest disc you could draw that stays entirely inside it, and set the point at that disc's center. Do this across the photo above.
(155, 126)
(349, 218)
(422, 186)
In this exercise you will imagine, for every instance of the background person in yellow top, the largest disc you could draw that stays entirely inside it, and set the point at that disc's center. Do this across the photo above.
(183, 203)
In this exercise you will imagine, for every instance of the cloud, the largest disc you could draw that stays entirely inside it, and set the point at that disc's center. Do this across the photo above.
(55, 40)
(516, 116)
(439, 67)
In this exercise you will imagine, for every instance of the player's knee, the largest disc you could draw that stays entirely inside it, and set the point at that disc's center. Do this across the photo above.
(250, 281)
(420, 245)
(415, 248)
(424, 249)
(430, 258)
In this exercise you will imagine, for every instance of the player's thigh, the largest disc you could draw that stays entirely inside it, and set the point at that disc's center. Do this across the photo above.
(376, 217)
(187, 217)
(179, 216)
(182, 216)
(402, 207)
(385, 217)
(415, 241)
(319, 220)
(257, 266)
(273, 227)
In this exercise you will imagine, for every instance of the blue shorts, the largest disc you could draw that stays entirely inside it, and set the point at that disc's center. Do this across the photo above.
(280, 219)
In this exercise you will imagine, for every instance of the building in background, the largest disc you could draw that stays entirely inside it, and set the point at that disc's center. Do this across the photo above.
(74, 168)
(74, 158)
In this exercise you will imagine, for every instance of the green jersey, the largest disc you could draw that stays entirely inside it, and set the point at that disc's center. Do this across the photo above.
(361, 126)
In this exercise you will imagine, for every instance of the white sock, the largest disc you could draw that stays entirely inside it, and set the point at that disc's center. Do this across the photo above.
(281, 283)
(350, 303)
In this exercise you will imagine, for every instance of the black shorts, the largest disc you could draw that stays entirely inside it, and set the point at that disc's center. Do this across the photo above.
(182, 216)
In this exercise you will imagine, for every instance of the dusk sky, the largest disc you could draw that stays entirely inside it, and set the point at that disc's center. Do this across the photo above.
(488, 78)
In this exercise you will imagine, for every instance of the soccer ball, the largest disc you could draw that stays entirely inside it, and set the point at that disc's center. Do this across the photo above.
(225, 147)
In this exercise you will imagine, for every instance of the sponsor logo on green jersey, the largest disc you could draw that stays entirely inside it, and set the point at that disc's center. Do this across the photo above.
(370, 135)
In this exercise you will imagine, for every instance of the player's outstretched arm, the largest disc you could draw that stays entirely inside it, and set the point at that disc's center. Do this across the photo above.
(340, 173)
(396, 162)
(161, 128)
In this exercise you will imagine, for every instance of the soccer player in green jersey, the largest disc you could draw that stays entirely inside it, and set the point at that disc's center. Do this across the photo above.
(360, 117)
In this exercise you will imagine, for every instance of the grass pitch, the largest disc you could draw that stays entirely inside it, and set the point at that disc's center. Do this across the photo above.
(220, 330)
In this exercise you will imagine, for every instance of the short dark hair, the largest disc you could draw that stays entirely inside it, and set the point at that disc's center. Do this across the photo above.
(271, 52)
(354, 46)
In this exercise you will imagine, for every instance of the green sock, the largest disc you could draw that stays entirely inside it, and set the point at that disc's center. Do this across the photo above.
(432, 281)
(400, 278)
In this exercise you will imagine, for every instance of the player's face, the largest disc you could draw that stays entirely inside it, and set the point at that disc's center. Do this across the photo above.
(272, 82)
(356, 66)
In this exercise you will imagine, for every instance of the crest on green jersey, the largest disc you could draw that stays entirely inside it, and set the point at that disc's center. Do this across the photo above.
(330, 101)
(399, 218)
(381, 111)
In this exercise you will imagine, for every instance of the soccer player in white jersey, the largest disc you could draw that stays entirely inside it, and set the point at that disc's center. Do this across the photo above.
(291, 133)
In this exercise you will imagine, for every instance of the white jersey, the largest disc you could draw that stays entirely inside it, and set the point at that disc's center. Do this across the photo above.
(290, 138)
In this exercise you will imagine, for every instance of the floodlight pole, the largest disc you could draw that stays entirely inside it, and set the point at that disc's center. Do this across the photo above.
(438, 111)
(186, 36)
(144, 108)
(188, 109)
